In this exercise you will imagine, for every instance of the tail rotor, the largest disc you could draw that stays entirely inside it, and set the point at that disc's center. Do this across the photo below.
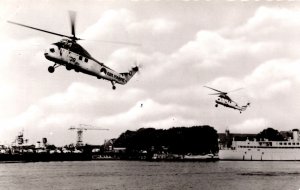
(137, 67)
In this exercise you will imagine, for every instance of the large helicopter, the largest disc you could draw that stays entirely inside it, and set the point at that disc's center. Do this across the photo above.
(70, 54)
(224, 100)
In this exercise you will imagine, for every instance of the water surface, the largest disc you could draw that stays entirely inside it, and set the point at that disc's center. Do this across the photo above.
(225, 175)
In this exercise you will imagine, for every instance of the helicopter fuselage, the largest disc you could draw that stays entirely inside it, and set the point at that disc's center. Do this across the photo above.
(231, 104)
(225, 97)
(73, 56)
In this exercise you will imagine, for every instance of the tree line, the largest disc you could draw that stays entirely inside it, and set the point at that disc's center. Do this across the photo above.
(179, 140)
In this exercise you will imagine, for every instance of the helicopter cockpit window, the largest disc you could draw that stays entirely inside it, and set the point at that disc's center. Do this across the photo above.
(86, 59)
(52, 50)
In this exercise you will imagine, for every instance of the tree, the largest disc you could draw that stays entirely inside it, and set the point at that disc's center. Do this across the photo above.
(179, 140)
(270, 134)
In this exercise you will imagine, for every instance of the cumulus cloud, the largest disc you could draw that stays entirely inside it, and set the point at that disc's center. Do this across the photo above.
(270, 24)
(155, 26)
(124, 22)
(144, 111)
(206, 50)
(254, 125)
(10, 48)
(273, 77)
(111, 22)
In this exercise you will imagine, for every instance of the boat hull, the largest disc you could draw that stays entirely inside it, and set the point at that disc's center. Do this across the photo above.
(261, 154)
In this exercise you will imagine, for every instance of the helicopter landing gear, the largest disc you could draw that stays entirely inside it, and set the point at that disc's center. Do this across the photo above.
(113, 85)
(51, 69)
(69, 67)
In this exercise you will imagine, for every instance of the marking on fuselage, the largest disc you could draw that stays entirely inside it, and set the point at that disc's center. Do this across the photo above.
(116, 77)
(72, 59)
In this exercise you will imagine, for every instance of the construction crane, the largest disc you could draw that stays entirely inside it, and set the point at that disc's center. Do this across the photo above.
(80, 129)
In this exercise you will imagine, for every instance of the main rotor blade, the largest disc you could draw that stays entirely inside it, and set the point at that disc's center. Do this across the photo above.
(215, 90)
(219, 93)
(38, 29)
(72, 15)
(116, 42)
(234, 102)
(235, 90)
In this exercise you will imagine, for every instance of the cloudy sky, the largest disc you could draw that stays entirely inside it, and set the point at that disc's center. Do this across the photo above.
(185, 45)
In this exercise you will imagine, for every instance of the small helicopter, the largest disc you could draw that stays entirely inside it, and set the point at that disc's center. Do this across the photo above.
(225, 100)
(70, 54)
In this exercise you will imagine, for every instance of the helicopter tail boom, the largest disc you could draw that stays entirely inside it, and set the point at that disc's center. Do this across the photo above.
(131, 73)
(245, 106)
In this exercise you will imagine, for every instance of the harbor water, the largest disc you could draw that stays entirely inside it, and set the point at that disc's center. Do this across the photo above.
(141, 175)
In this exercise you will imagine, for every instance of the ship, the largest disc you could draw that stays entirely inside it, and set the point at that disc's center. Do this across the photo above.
(21, 151)
(263, 150)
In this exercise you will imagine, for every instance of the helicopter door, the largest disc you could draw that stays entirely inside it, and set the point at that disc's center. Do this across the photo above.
(65, 55)
(71, 58)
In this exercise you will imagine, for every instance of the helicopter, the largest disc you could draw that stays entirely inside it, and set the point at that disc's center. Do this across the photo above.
(224, 100)
(67, 52)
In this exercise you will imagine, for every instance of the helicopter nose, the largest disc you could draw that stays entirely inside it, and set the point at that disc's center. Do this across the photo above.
(46, 53)
(49, 50)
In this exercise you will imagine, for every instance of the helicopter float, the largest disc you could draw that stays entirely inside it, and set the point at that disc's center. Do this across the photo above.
(224, 100)
(70, 54)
